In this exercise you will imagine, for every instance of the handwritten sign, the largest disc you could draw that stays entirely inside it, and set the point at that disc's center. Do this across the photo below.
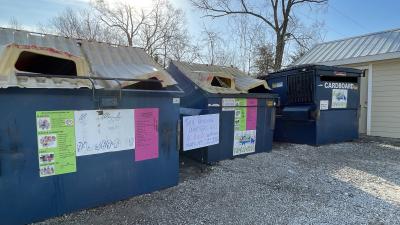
(104, 131)
(146, 131)
(200, 131)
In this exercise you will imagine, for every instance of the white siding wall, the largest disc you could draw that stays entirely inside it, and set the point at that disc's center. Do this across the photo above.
(385, 118)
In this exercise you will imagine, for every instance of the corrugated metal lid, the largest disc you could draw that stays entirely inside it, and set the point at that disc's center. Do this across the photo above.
(94, 59)
(202, 75)
(106, 60)
(370, 47)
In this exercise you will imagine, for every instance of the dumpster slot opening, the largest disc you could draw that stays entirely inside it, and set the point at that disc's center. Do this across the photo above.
(44, 64)
(300, 88)
(258, 89)
(340, 79)
(221, 82)
(143, 85)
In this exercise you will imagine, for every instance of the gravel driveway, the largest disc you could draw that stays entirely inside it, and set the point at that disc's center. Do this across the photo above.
(347, 183)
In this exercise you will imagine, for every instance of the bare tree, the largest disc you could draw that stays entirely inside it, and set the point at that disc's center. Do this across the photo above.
(67, 24)
(181, 48)
(14, 24)
(82, 24)
(122, 16)
(211, 39)
(165, 26)
(215, 50)
(277, 15)
(305, 41)
(247, 35)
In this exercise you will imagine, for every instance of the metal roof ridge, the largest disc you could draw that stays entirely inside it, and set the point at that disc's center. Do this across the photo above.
(359, 36)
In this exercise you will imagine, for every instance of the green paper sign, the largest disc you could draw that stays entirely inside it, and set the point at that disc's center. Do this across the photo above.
(244, 134)
(56, 142)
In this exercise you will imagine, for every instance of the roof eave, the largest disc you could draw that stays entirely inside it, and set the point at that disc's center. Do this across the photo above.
(364, 59)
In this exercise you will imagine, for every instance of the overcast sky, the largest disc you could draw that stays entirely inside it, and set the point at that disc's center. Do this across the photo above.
(343, 18)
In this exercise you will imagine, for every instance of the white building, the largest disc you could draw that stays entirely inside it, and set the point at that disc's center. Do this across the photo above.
(379, 54)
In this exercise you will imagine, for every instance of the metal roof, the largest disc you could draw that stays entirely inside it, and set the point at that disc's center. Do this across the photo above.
(366, 48)
(202, 75)
(98, 59)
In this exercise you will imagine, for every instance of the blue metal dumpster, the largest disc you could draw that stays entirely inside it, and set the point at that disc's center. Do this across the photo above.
(237, 106)
(318, 104)
(49, 167)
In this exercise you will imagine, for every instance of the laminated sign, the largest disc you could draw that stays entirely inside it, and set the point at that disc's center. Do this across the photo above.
(56, 142)
(244, 140)
(339, 98)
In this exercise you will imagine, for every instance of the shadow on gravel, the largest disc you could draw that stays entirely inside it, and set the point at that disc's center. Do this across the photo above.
(190, 169)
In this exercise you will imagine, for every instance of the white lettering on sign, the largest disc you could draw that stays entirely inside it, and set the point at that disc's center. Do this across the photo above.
(333, 85)
(104, 131)
(200, 131)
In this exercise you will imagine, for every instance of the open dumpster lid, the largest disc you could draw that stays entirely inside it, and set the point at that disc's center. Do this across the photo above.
(24, 53)
(107, 60)
(220, 79)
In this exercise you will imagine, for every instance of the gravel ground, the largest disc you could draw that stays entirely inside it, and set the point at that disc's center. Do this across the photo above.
(347, 183)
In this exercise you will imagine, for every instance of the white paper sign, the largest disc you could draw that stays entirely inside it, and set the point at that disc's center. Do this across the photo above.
(277, 85)
(229, 102)
(324, 105)
(104, 131)
(339, 98)
(200, 131)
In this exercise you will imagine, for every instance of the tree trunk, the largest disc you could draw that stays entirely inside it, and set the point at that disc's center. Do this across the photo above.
(130, 42)
(279, 49)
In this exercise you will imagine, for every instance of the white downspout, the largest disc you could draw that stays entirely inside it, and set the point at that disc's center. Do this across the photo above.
(369, 105)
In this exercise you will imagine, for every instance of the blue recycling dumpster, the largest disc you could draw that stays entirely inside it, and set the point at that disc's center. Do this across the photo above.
(246, 114)
(98, 179)
(82, 124)
(318, 104)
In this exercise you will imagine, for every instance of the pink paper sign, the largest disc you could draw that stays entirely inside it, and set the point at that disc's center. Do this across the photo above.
(146, 134)
(251, 115)
(251, 102)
